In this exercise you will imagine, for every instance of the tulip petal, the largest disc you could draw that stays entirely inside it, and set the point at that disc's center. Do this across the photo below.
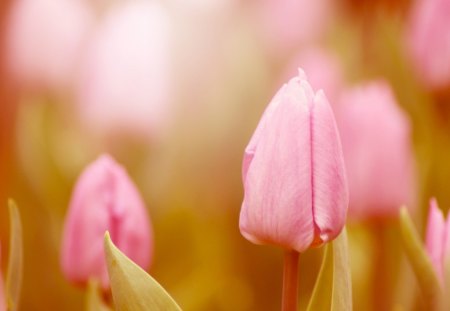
(329, 182)
(435, 236)
(278, 181)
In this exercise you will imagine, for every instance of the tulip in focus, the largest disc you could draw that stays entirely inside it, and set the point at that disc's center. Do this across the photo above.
(438, 238)
(104, 199)
(377, 148)
(44, 39)
(294, 178)
(126, 72)
(428, 39)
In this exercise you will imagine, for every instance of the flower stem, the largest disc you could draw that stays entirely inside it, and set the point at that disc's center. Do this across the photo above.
(290, 281)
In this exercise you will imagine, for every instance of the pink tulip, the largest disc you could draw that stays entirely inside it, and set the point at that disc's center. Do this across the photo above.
(377, 148)
(438, 238)
(293, 171)
(125, 81)
(428, 38)
(44, 39)
(104, 199)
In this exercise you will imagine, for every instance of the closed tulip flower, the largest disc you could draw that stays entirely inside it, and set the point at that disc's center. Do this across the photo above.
(104, 199)
(438, 238)
(293, 172)
(428, 41)
(377, 148)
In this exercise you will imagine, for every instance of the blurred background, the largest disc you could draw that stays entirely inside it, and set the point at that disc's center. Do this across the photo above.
(173, 90)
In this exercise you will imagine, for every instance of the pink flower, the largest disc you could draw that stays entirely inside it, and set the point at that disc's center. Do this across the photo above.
(125, 81)
(293, 171)
(438, 238)
(44, 39)
(104, 199)
(377, 148)
(428, 38)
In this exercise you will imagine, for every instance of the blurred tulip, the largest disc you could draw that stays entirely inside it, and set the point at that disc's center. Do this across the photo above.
(126, 73)
(44, 40)
(104, 198)
(286, 24)
(323, 69)
(293, 172)
(377, 148)
(438, 238)
(428, 37)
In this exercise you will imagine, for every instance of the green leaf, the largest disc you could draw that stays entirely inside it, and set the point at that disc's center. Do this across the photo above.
(132, 288)
(333, 289)
(94, 301)
(15, 260)
(420, 261)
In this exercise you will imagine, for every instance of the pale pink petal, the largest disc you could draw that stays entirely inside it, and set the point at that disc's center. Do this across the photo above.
(435, 236)
(277, 204)
(329, 182)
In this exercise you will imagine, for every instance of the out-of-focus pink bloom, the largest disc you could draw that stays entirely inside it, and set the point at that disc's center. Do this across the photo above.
(126, 74)
(377, 148)
(104, 199)
(293, 171)
(286, 24)
(323, 69)
(44, 41)
(438, 238)
(428, 38)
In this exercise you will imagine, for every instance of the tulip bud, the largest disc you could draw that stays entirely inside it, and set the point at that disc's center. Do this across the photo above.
(436, 236)
(377, 148)
(428, 41)
(293, 172)
(104, 199)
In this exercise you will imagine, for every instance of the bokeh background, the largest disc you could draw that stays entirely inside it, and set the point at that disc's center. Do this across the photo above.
(173, 90)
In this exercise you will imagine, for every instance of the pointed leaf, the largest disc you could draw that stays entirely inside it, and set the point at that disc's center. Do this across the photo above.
(132, 288)
(94, 301)
(15, 260)
(333, 289)
(420, 261)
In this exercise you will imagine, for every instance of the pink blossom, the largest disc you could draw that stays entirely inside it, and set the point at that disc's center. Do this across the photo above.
(377, 148)
(44, 39)
(293, 172)
(428, 39)
(438, 238)
(125, 83)
(104, 198)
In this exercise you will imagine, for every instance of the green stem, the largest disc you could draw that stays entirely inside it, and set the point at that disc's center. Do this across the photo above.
(290, 281)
